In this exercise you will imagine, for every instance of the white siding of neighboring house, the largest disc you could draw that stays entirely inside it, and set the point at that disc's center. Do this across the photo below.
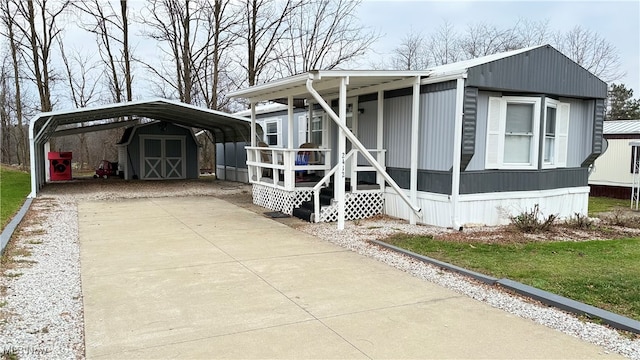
(613, 168)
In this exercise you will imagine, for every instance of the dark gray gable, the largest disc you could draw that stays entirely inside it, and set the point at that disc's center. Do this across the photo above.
(542, 70)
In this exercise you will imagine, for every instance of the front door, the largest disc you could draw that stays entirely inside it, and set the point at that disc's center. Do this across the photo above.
(162, 158)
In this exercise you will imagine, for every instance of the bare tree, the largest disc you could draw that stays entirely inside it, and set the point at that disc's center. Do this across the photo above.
(8, 21)
(323, 34)
(591, 51)
(179, 28)
(112, 32)
(39, 28)
(444, 45)
(411, 53)
(221, 19)
(483, 39)
(265, 25)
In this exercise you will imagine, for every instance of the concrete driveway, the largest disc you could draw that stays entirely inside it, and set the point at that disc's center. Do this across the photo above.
(198, 277)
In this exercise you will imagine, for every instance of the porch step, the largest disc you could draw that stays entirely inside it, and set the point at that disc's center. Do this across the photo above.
(303, 213)
(306, 209)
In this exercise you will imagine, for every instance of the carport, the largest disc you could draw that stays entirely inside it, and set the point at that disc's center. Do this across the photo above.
(225, 128)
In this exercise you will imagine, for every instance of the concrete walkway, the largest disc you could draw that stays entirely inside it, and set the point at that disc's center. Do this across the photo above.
(198, 277)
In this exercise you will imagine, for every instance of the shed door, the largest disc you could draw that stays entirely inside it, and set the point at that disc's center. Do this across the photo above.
(163, 158)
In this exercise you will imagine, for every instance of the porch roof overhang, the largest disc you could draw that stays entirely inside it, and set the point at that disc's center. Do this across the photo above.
(326, 83)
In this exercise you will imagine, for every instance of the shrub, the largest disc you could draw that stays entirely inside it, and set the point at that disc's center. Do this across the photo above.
(531, 221)
(579, 221)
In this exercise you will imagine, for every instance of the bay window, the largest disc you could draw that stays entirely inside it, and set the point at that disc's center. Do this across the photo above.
(514, 125)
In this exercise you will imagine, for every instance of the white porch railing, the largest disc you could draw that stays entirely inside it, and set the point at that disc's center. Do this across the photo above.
(352, 157)
(266, 164)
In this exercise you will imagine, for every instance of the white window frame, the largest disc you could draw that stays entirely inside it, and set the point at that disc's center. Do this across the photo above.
(278, 123)
(561, 134)
(496, 132)
(324, 121)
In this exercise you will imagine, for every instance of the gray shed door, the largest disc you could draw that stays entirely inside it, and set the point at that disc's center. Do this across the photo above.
(163, 157)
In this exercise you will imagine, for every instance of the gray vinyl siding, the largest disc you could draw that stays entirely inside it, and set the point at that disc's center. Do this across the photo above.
(580, 131)
(397, 131)
(469, 120)
(522, 180)
(367, 126)
(283, 116)
(437, 114)
(478, 159)
(543, 70)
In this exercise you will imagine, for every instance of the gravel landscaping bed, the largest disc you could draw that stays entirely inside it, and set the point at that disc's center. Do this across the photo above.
(40, 288)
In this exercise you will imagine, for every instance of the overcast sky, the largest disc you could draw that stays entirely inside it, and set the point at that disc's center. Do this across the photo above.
(616, 21)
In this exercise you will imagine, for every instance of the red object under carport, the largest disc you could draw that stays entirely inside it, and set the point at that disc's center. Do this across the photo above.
(60, 165)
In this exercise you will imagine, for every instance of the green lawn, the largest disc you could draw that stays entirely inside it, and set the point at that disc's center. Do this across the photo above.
(603, 204)
(14, 188)
(599, 273)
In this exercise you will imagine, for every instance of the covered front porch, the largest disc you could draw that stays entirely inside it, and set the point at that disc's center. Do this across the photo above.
(339, 173)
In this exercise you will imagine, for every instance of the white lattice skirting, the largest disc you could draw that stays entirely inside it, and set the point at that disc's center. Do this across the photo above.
(357, 206)
(278, 199)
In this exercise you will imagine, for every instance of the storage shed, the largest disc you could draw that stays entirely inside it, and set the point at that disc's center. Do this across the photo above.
(158, 150)
(473, 142)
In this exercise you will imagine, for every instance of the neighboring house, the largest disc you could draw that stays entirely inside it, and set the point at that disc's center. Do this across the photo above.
(158, 151)
(612, 173)
(472, 142)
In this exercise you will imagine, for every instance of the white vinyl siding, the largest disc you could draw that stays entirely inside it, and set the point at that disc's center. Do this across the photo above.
(512, 133)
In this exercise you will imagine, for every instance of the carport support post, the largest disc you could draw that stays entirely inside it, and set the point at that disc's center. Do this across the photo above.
(380, 139)
(457, 153)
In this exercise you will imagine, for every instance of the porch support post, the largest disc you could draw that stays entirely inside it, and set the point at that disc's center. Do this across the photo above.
(380, 138)
(254, 135)
(342, 148)
(288, 156)
(254, 143)
(415, 137)
(457, 153)
(290, 120)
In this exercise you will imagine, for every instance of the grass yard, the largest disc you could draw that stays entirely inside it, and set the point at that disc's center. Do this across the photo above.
(604, 204)
(602, 273)
(15, 185)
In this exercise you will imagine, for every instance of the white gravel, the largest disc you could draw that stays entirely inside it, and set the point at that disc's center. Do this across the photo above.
(41, 305)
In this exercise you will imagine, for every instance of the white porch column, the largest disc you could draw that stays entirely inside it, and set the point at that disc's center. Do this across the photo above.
(254, 135)
(457, 153)
(415, 137)
(342, 146)
(380, 138)
(290, 121)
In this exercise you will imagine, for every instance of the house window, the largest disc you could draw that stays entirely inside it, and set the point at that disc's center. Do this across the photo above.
(512, 133)
(518, 138)
(272, 132)
(513, 125)
(549, 135)
(556, 131)
(317, 130)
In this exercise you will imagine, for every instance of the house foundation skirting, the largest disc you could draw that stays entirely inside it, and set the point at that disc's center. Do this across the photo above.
(491, 209)
(278, 199)
(360, 205)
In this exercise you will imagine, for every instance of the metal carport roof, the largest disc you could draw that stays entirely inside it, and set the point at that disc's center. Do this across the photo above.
(225, 127)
